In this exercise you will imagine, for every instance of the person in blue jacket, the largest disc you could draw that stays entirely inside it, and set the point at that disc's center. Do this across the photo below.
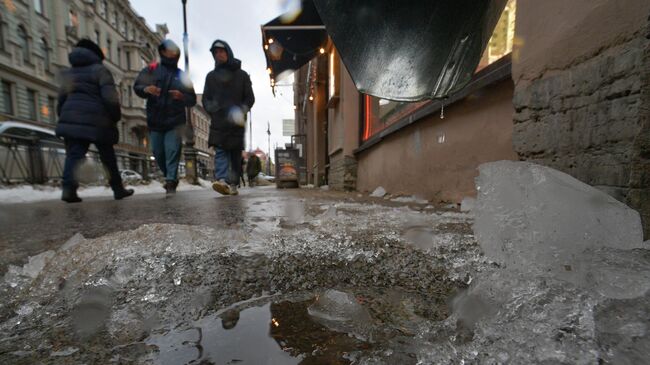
(169, 92)
(88, 110)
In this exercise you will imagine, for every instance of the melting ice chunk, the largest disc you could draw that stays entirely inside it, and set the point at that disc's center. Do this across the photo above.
(535, 219)
(380, 192)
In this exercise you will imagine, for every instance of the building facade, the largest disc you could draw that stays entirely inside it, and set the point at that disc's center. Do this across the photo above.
(36, 37)
(359, 142)
(205, 154)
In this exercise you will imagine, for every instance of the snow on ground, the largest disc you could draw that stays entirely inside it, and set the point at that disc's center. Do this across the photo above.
(34, 193)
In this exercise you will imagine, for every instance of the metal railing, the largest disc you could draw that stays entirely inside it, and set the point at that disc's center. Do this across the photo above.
(36, 160)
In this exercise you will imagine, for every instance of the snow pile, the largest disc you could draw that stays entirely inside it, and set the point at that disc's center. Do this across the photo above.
(410, 199)
(380, 192)
(31, 193)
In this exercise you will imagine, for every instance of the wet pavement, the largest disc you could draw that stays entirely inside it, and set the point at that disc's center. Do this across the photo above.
(31, 228)
(302, 276)
(291, 277)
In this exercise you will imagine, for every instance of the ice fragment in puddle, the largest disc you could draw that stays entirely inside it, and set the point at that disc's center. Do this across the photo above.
(534, 218)
(334, 305)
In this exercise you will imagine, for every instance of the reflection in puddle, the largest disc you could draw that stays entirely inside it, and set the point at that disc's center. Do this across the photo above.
(275, 333)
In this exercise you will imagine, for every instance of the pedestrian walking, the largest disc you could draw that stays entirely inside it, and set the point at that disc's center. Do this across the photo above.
(169, 92)
(253, 168)
(227, 97)
(88, 110)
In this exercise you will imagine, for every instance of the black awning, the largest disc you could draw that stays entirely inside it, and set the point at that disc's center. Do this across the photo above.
(410, 50)
(292, 40)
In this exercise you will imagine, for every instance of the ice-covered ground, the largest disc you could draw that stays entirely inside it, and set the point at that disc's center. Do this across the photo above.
(404, 285)
(31, 193)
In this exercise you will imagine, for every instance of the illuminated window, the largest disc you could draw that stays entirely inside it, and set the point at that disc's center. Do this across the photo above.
(502, 39)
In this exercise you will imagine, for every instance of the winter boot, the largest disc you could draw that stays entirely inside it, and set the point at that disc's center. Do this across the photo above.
(170, 186)
(221, 187)
(233, 190)
(120, 193)
(69, 195)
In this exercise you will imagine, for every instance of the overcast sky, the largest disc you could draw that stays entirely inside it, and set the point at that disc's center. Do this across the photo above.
(238, 23)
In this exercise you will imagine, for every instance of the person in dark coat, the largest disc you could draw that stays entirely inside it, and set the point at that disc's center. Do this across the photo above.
(253, 168)
(169, 92)
(88, 110)
(227, 97)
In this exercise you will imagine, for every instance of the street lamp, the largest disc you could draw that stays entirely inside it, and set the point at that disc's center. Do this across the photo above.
(191, 173)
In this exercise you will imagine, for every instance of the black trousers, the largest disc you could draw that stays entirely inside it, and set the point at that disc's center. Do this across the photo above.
(75, 152)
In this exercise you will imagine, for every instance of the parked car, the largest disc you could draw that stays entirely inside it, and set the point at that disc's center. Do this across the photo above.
(130, 176)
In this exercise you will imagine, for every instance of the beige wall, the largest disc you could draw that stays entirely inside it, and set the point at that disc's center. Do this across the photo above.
(477, 129)
(554, 34)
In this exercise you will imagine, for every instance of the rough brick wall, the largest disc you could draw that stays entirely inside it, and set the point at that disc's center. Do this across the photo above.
(590, 121)
(639, 193)
(343, 173)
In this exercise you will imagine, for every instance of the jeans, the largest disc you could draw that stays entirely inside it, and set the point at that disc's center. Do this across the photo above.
(227, 166)
(166, 148)
(75, 152)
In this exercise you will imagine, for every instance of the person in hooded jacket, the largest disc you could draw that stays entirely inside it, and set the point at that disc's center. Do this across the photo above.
(88, 110)
(169, 92)
(227, 97)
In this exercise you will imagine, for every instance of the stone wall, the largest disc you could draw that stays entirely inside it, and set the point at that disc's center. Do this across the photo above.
(639, 193)
(343, 172)
(581, 93)
(584, 120)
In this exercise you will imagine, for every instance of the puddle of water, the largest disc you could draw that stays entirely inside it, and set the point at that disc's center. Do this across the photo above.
(273, 333)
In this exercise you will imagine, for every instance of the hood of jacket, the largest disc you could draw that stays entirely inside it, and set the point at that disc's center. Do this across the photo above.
(80, 57)
(233, 63)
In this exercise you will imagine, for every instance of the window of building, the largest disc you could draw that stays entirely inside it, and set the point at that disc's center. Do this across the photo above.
(98, 38)
(38, 6)
(109, 45)
(23, 42)
(32, 105)
(2, 35)
(380, 114)
(46, 54)
(73, 19)
(51, 106)
(103, 8)
(7, 98)
(119, 56)
(114, 19)
(128, 60)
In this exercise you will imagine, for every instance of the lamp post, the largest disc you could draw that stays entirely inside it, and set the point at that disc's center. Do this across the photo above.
(191, 172)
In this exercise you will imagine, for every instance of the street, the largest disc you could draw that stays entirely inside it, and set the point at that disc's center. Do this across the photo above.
(149, 270)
